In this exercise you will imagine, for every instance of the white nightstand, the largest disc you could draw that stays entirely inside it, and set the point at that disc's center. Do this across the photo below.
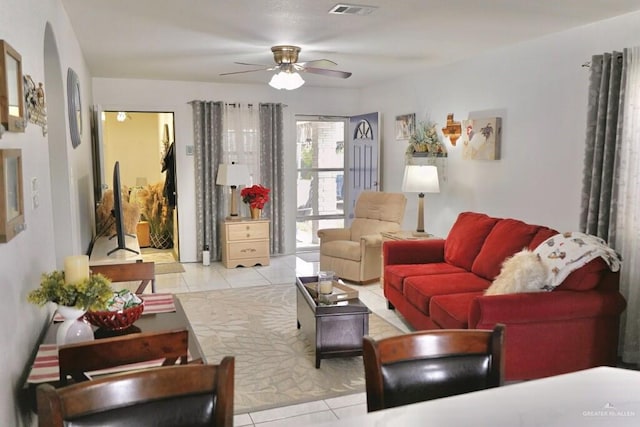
(245, 242)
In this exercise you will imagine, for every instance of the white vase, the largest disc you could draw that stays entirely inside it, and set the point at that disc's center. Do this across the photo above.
(73, 329)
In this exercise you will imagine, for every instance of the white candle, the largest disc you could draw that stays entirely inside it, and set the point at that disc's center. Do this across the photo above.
(325, 282)
(76, 268)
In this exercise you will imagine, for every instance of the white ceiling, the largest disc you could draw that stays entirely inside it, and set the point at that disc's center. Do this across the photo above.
(196, 40)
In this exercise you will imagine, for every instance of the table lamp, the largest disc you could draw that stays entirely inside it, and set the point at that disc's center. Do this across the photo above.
(233, 175)
(420, 179)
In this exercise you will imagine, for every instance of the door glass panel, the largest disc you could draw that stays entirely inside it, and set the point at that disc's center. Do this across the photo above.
(320, 182)
(322, 193)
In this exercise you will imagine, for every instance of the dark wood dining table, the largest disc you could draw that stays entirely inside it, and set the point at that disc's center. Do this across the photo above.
(169, 317)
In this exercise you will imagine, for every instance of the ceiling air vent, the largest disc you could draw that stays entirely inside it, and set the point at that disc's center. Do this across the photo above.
(351, 9)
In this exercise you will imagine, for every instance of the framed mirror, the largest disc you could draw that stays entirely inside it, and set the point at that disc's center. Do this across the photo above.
(74, 105)
(11, 96)
(11, 194)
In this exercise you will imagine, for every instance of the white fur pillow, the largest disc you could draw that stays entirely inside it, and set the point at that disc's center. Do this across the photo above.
(523, 272)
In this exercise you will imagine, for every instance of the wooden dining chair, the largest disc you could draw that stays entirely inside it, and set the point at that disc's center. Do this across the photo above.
(431, 364)
(76, 360)
(190, 395)
(145, 272)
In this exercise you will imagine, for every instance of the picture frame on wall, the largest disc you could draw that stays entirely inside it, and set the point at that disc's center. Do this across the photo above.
(481, 138)
(11, 194)
(11, 95)
(405, 126)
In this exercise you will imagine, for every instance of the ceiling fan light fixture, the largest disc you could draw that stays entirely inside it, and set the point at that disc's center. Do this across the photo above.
(286, 80)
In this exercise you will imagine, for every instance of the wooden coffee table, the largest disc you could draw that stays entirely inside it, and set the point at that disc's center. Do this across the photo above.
(336, 329)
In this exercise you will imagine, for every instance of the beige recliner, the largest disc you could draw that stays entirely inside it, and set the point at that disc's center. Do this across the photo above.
(354, 253)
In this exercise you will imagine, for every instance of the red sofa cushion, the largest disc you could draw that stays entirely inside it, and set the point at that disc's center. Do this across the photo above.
(394, 275)
(452, 311)
(506, 238)
(543, 234)
(419, 289)
(586, 277)
(466, 238)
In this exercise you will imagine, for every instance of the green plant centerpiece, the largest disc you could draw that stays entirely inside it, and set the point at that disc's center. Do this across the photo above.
(92, 293)
(425, 141)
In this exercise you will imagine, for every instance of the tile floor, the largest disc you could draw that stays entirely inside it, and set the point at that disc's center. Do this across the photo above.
(282, 269)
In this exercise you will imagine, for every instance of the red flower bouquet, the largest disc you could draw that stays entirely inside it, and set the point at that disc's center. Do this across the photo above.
(255, 196)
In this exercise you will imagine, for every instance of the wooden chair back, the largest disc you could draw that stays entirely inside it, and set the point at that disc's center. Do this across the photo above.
(431, 364)
(190, 395)
(75, 360)
(130, 272)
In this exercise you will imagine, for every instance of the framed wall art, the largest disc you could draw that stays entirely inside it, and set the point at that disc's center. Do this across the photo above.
(34, 99)
(11, 194)
(481, 138)
(405, 126)
(11, 96)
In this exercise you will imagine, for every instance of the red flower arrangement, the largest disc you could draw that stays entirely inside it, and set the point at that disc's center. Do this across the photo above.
(255, 196)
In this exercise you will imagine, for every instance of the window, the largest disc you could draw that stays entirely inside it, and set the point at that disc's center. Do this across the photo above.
(320, 150)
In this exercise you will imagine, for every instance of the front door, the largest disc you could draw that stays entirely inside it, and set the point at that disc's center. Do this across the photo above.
(362, 159)
(337, 158)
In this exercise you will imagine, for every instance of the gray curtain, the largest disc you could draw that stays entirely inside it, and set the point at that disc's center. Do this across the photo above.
(604, 130)
(272, 170)
(207, 135)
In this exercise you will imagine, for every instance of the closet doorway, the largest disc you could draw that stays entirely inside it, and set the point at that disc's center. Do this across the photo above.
(142, 143)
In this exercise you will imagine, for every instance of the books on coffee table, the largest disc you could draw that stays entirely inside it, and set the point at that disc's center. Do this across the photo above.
(340, 292)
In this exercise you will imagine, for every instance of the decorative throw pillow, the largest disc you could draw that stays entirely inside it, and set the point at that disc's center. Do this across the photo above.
(523, 272)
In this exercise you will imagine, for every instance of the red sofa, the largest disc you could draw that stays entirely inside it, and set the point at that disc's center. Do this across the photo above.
(439, 284)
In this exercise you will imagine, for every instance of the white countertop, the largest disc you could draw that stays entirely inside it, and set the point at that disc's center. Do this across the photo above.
(601, 396)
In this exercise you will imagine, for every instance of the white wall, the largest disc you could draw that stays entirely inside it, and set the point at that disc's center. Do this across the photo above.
(151, 95)
(32, 252)
(141, 139)
(540, 90)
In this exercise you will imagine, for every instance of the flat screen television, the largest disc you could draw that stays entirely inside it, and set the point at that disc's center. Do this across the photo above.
(118, 213)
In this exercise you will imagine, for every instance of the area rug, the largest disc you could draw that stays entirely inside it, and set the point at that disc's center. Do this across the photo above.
(171, 267)
(159, 256)
(275, 364)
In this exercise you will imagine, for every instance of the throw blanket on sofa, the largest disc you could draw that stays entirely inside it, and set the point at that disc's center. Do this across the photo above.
(566, 252)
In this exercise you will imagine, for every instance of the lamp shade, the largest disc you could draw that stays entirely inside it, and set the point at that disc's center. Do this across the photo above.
(420, 179)
(286, 80)
(233, 174)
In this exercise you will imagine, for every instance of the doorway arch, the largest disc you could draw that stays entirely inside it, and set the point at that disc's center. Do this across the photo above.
(59, 177)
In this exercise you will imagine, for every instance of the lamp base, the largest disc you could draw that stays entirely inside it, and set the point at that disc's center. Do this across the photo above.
(234, 218)
(421, 234)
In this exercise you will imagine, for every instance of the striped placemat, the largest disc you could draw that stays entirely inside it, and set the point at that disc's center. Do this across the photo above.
(45, 366)
(153, 304)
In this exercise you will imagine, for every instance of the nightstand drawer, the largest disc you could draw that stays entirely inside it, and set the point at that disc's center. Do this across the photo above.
(245, 243)
(248, 230)
(257, 249)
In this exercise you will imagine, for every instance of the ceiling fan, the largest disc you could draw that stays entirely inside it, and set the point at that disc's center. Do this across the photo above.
(287, 65)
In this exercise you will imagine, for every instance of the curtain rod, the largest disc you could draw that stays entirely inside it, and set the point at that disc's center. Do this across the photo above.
(234, 104)
(237, 104)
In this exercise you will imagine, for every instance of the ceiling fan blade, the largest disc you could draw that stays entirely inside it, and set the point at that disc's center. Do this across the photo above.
(253, 65)
(325, 72)
(247, 71)
(318, 63)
